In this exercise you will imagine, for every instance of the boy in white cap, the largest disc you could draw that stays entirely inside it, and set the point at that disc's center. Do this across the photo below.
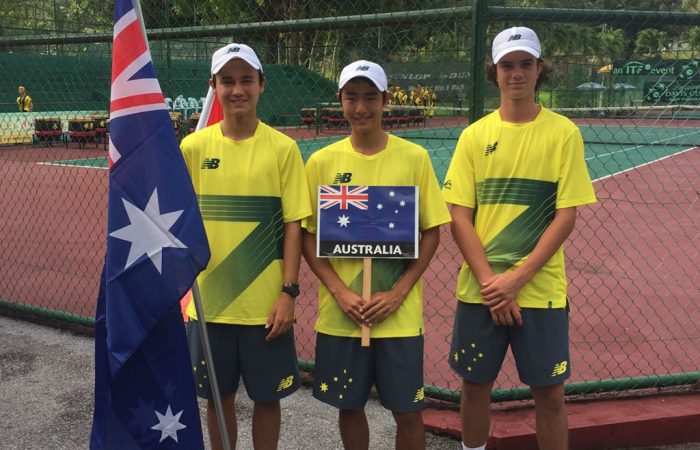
(345, 371)
(252, 193)
(522, 166)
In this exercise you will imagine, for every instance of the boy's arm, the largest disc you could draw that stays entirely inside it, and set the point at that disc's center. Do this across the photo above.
(348, 301)
(502, 289)
(281, 316)
(383, 304)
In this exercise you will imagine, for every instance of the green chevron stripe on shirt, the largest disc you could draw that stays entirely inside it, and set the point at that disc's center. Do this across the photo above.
(519, 237)
(252, 256)
(385, 273)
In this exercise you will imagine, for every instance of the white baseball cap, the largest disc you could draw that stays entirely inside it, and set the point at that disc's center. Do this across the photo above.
(233, 51)
(365, 69)
(514, 39)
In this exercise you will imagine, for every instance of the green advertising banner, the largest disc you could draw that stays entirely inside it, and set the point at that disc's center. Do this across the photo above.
(676, 92)
(681, 68)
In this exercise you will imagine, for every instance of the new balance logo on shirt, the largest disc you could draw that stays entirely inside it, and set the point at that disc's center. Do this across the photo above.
(490, 148)
(342, 177)
(210, 163)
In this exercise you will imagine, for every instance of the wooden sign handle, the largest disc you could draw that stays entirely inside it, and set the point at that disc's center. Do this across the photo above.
(366, 294)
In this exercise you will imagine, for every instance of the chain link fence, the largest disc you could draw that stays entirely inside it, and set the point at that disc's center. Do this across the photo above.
(627, 72)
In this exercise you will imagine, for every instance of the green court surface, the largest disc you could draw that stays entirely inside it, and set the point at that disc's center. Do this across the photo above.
(608, 150)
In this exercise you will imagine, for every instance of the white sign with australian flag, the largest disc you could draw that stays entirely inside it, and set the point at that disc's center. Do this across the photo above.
(367, 221)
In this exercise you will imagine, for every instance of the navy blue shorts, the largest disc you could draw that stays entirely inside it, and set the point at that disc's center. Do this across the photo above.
(345, 372)
(269, 369)
(540, 346)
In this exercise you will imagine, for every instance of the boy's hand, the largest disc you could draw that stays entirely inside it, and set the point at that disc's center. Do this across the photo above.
(281, 317)
(508, 314)
(351, 304)
(381, 306)
(499, 294)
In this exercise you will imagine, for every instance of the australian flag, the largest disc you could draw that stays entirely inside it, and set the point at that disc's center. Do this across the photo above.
(156, 246)
(367, 221)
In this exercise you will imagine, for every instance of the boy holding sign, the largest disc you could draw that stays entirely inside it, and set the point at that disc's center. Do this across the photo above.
(345, 371)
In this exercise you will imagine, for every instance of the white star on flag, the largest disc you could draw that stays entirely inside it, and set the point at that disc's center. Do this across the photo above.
(148, 231)
(380, 206)
(168, 424)
(402, 203)
(391, 225)
(343, 221)
(391, 193)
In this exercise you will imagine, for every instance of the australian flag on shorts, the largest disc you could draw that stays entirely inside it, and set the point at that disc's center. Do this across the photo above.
(367, 221)
(156, 246)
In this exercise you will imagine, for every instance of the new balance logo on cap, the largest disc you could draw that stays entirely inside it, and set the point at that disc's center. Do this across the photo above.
(515, 39)
(233, 50)
(362, 68)
(210, 163)
(490, 148)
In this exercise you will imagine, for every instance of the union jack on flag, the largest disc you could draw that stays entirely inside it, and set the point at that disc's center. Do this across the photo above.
(343, 196)
(156, 246)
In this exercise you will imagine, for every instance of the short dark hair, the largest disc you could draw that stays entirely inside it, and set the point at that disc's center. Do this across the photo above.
(545, 75)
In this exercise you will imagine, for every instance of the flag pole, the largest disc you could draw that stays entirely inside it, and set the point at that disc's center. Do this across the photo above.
(201, 322)
(366, 295)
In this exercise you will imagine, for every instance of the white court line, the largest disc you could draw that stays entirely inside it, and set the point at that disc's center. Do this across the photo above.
(646, 163)
(67, 163)
(641, 145)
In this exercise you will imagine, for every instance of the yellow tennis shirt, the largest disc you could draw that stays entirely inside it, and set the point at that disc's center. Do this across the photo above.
(515, 176)
(246, 190)
(401, 163)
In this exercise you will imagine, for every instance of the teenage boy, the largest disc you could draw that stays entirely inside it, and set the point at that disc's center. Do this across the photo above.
(252, 193)
(522, 166)
(345, 371)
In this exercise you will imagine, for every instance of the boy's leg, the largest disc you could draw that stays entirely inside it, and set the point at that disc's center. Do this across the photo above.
(267, 417)
(228, 403)
(343, 378)
(354, 430)
(223, 340)
(550, 414)
(476, 354)
(410, 433)
(475, 413)
(399, 372)
(541, 351)
(270, 372)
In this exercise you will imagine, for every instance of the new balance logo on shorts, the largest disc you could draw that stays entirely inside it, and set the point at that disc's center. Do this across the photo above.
(210, 163)
(341, 177)
(514, 37)
(285, 383)
(420, 395)
(559, 369)
(490, 148)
